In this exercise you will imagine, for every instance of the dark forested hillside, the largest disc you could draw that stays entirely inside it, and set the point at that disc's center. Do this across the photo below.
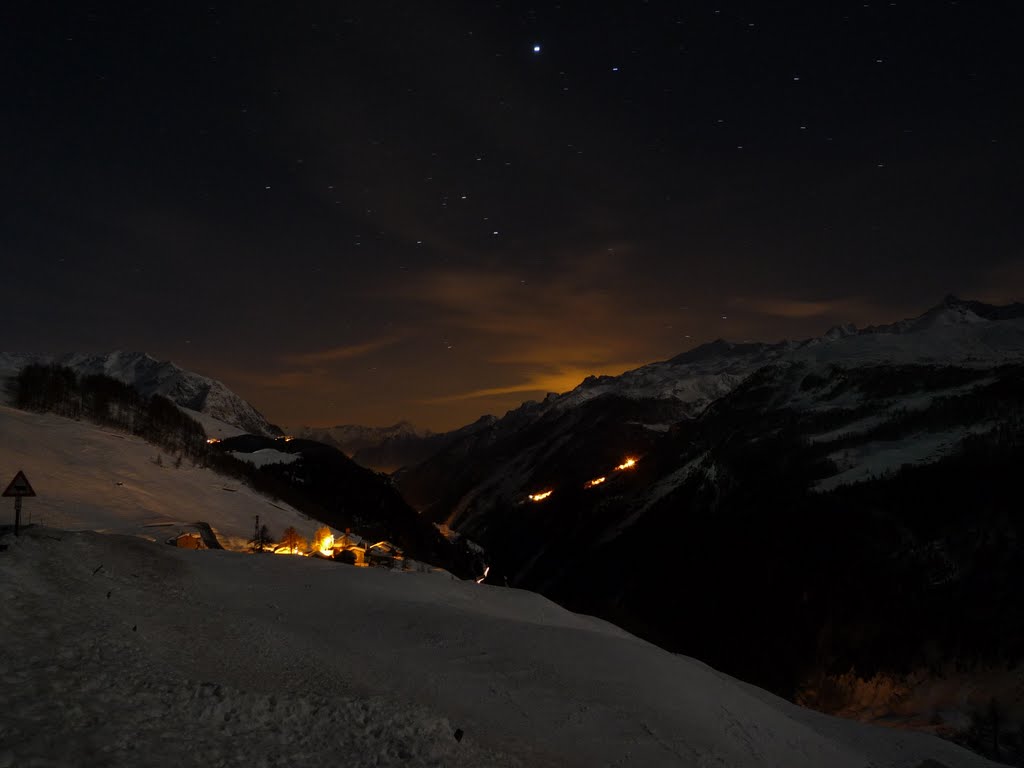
(335, 490)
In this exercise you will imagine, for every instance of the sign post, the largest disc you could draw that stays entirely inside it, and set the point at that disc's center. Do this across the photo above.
(18, 488)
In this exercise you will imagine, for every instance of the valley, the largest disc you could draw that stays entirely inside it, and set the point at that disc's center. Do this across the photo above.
(828, 520)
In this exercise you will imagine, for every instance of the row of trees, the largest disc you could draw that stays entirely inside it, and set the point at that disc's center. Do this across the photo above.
(290, 540)
(107, 401)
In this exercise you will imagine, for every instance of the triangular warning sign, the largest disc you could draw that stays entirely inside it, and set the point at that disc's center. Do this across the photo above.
(19, 486)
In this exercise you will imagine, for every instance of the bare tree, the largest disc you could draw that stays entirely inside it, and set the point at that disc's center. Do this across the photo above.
(291, 539)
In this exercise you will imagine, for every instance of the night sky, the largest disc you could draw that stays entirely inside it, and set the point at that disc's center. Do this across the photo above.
(357, 212)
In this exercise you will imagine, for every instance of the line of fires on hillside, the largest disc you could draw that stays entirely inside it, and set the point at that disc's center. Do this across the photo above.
(628, 463)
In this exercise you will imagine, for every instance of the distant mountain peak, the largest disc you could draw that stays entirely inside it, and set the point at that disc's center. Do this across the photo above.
(981, 309)
(840, 331)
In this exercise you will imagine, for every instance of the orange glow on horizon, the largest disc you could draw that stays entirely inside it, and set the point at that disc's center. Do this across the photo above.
(629, 463)
(595, 481)
(540, 496)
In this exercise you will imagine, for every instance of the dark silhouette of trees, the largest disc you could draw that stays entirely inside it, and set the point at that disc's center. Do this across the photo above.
(103, 400)
(261, 537)
(48, 388)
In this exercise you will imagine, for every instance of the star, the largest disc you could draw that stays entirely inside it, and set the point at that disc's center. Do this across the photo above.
(536, 47)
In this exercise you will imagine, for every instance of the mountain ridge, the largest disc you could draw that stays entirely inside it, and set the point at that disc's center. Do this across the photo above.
(150, 376)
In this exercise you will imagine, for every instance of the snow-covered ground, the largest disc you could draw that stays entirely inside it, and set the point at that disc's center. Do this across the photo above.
(215, 428)
(89, 477)
(118, 651)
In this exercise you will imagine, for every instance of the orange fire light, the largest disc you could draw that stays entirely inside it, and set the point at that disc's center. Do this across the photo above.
(595, 481)
(540, 496)
(629, 463)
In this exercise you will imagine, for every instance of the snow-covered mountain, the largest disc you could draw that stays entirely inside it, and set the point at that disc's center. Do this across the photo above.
(352, 438)
(797, 483)
(965, 334)
(383, 449)
(955, 332)
(207, 398)
(387, 449)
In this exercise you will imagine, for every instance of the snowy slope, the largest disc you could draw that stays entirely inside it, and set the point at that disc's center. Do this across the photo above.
(209, 397)
(89, 477)
(144, 655)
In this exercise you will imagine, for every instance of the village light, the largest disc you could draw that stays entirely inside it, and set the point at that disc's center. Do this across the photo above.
(323, 541)
(327, 545)
(540, 496)
(629, 463)
(595, 481)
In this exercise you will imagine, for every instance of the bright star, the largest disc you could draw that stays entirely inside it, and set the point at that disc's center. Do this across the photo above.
(536, 48)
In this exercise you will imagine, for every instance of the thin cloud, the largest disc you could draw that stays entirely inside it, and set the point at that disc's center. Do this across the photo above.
(523, 334)
(578, 315)
(337, 354)
(1002, 284)
(559, 381)
(252, 380)
(795, 309)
